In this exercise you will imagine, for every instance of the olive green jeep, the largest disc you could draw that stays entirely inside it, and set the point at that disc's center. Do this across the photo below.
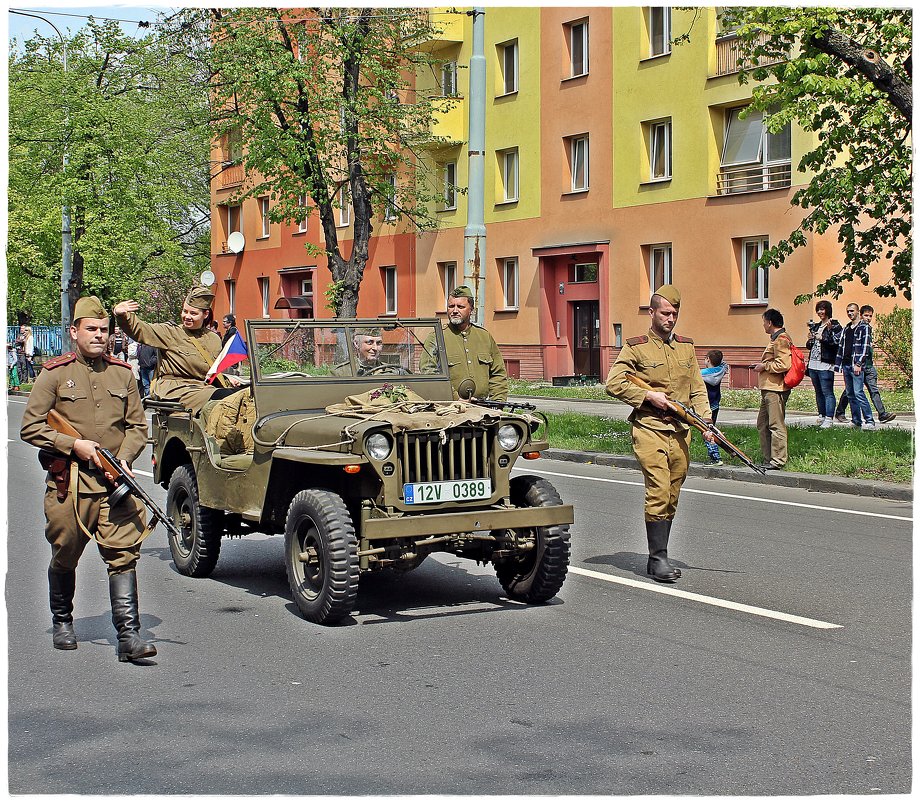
(363, 463)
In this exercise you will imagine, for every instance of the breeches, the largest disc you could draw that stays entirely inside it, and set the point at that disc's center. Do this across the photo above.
(664, 457)
(119, 527)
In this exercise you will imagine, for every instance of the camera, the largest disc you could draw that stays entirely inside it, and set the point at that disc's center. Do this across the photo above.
(813, 326)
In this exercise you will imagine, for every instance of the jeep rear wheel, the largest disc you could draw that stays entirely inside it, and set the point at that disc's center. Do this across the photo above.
(321, 556)
(537, 574)
(196, 550)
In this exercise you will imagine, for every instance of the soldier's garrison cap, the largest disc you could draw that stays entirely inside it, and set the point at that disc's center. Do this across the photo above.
(200, 297)
(89, 306)
(670, 294)
(367, 332)
(462, 292)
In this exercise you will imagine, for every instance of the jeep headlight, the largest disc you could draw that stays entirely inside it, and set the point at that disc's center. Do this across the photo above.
(378, 446)
(509, 438)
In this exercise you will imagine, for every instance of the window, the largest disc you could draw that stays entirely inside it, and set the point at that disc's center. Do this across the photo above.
(449, 79)
(306, 285)
(510, 283)
(448, 277)
(659, 30)
(263, 215)
(583, 273)
(578, 48)
(450, 185)
(509, 164)
(263, 291)
(344, 204)
(302, 222)
(509, 64)
(753, 158)
(578, 162)
(234, 219)
(231, 296)
(754, 280)
(660, 150)
(659, 266)
(389, 288)
(389, 209)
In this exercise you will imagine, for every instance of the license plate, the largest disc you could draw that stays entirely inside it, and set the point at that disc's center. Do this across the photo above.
(442, 491)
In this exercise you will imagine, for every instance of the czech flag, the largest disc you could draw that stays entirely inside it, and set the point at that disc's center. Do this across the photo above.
(232, 353)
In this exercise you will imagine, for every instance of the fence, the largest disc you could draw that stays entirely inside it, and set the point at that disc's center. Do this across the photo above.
(47, 338)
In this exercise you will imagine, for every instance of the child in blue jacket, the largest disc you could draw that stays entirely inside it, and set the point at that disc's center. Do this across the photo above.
(713, 373)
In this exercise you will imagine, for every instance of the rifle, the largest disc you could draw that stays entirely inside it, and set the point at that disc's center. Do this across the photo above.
(490, 404)
(690, 417)
(111, 465)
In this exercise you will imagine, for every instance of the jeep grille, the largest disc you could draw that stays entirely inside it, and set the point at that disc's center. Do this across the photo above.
(464, 454)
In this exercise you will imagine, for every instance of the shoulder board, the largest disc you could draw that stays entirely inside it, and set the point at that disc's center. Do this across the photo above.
(637, 340)
(113, 360)
(686, 340)
(60, 361)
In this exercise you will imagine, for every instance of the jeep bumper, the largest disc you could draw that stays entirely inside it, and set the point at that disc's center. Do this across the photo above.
(429, 523)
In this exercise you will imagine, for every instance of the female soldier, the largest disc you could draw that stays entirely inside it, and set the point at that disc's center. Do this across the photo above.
(186, 350)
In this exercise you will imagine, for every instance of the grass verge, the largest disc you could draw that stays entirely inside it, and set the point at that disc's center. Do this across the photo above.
(883, 455)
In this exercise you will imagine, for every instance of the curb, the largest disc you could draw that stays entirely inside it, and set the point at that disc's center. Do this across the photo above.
(808, 481)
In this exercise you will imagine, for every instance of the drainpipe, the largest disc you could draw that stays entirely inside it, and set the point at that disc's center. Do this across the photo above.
(474, 235)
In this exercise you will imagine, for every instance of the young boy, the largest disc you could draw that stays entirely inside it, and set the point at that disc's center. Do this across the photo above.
(11, 366)
(713, 373)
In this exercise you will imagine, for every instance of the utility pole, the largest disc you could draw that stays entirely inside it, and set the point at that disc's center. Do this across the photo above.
(66, 238)
(474, 235)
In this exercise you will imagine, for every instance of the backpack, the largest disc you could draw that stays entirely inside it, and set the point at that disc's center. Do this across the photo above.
(796, 372)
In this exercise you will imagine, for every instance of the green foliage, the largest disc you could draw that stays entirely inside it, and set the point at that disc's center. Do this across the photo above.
(844, 74)
(129, 119)
(893, 336)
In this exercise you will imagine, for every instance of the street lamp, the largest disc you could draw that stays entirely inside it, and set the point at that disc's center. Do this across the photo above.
(66, 240)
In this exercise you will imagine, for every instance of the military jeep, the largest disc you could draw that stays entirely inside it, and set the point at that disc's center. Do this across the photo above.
(361, 466)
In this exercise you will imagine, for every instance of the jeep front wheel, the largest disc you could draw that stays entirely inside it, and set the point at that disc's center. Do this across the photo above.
(321, 556)
(537, 574)
(196, 550)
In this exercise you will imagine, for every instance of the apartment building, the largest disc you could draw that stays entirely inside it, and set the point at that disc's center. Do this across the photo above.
(615, 162)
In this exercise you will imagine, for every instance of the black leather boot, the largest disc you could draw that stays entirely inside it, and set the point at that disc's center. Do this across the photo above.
(61, 587)
(127, 620)
(659, 568)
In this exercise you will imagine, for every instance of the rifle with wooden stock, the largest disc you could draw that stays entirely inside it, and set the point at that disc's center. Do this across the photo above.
(690, 417)
(124, 483)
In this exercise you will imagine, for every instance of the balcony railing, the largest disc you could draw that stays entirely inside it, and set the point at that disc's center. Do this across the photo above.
(231, 174)
(754, 178)
(728, 51)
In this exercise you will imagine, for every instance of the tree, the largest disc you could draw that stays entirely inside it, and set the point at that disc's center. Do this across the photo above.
(132, 117)
(324, 105)
(844, 74)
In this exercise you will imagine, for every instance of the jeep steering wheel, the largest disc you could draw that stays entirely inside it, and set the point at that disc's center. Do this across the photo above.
(396, 369)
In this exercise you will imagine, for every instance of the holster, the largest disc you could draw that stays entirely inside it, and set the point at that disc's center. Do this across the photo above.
(58, 467)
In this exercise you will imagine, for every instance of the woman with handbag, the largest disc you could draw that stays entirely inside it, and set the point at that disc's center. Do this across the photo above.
(823, 340)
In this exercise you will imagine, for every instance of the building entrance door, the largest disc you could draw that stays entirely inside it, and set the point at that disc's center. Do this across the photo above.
(586, 338)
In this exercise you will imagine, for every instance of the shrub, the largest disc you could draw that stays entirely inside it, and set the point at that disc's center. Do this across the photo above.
(894, 338)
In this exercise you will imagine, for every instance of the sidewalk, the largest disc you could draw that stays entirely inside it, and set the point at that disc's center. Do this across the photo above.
(743, 417)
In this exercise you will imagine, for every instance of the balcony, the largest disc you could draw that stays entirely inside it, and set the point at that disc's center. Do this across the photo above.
(231, 174)
(728, 52)
(754, 178)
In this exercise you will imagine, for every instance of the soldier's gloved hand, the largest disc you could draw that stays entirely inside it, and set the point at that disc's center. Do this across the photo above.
(85, 449)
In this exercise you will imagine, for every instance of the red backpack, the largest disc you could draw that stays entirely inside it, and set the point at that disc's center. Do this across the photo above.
(796, 372)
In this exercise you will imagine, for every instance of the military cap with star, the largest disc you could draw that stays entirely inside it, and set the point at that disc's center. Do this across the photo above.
(462, 292)
(200, 297)
(89, 306)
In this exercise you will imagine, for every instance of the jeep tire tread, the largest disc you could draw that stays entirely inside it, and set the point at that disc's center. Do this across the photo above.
(195, 553)
(326, 587)
(536, 576)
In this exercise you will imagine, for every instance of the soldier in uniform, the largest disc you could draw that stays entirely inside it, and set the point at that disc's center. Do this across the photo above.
(472, 353)
(667, 363)
(98, 396)
(187, 351)
(368, 344)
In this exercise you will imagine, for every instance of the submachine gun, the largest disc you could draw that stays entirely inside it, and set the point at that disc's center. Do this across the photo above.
(690, 417)
(124, 483)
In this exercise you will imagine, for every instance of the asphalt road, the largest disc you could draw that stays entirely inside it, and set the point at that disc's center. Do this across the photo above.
(440, 685)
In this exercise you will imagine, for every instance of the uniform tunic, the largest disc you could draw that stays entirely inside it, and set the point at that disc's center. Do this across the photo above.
(661, 442)
(99, 398)
(181, 371)
(474, 354)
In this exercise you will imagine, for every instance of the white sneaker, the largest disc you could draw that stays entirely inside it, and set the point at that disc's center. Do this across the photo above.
(820, 420)
(870, 426)
(826, 423)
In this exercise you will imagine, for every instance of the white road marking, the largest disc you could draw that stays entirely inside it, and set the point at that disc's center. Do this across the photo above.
(722, 495)
(706, 599)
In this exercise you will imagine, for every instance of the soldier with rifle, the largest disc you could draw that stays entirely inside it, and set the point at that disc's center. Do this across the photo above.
(97, 398)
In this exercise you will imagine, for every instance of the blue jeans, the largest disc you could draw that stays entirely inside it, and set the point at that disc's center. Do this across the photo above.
(146, 375)
(823, 382)
(859, 403)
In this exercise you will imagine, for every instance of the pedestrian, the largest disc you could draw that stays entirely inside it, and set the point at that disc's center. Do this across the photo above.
(187, 351)
(871, 378)
(229, 322)
(713, 372)
(25, 344)
(855, 343)
(147, 357)
(771, 371)
(823, 339)
(97, 395)
(473, 357)
(667, 363)
(12, 367)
